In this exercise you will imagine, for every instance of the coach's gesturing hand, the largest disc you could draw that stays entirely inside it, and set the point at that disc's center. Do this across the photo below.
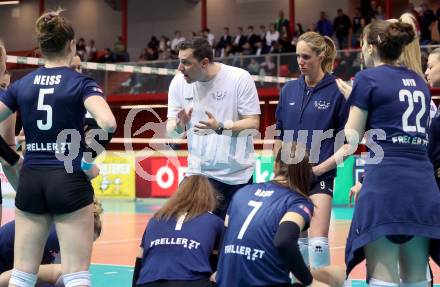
(184, 117)
(208, 126)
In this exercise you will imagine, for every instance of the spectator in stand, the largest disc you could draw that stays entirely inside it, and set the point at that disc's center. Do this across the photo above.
(272, 36)
(224, 41)
(149, 54)
(371, 11)
(259, 48)
(437, 16)
(253, 67)
(81, 48)
(251, 41)
(299, 30)
(324, 26)
(358, 25)
(91, 52)
(427, 19)
(176, 40)
(154, 43)
(120, 51)
(268, 67)
(411, 9)
(107, 57)
(262, 35)
(285, 42)
(239, 41)
(281, 22)
(341, 26)
(206, 33)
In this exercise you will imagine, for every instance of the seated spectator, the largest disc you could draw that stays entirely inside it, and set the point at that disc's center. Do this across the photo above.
(427, 19)
(81, 48)
(120, 51)
(176, 40)
(267, 68)
(259, 48)
(91, 52)
(209, 36)
(285, 42)
(253, 67)
(251, 40)
(239, 41)
(224, 41)
(272, 36)
(107, 57)
(153, 43)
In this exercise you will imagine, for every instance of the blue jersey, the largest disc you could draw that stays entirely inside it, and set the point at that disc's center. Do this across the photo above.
(434, 140)
(7, 235)
(398, 102)
(51, 100)
(179, 251)
(313, 116)
(248, 256)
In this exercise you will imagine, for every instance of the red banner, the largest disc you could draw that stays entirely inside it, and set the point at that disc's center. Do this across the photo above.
(163, 178)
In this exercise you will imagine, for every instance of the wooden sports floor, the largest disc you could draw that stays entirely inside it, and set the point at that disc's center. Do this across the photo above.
(124, 223)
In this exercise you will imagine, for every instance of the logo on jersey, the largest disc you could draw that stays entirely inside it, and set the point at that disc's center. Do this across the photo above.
(219, 95)
(322, 105)
(96, 89)
(305, 209)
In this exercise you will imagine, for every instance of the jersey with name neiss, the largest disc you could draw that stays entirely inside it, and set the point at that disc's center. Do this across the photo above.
(51, 104)
(248, 256)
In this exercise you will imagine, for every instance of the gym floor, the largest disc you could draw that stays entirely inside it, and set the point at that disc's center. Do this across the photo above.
(124, 223)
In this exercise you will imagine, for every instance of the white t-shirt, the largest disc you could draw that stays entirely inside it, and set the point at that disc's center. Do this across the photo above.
(231, 94)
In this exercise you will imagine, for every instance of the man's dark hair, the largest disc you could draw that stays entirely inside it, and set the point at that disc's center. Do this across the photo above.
(200, 46)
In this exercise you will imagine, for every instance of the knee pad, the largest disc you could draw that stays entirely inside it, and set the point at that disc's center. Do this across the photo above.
(423, 283)
(81, 278)
(319, 254)
(303, 244)
(22, 279)
(379, 283)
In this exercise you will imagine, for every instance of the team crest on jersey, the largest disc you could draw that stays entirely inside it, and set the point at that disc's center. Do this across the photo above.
(219, 95)
(322, 105)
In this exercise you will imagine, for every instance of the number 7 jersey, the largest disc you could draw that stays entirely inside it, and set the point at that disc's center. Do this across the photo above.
(51, 101)
(248, 256)
(398, 103)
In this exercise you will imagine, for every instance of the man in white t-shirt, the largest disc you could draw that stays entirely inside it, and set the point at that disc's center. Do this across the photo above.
(218, 107)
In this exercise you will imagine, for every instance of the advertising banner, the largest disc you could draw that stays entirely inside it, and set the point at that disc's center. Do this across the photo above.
(117, 175)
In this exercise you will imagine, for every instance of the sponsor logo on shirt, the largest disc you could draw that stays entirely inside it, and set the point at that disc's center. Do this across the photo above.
(219, 95)
(322, 105)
